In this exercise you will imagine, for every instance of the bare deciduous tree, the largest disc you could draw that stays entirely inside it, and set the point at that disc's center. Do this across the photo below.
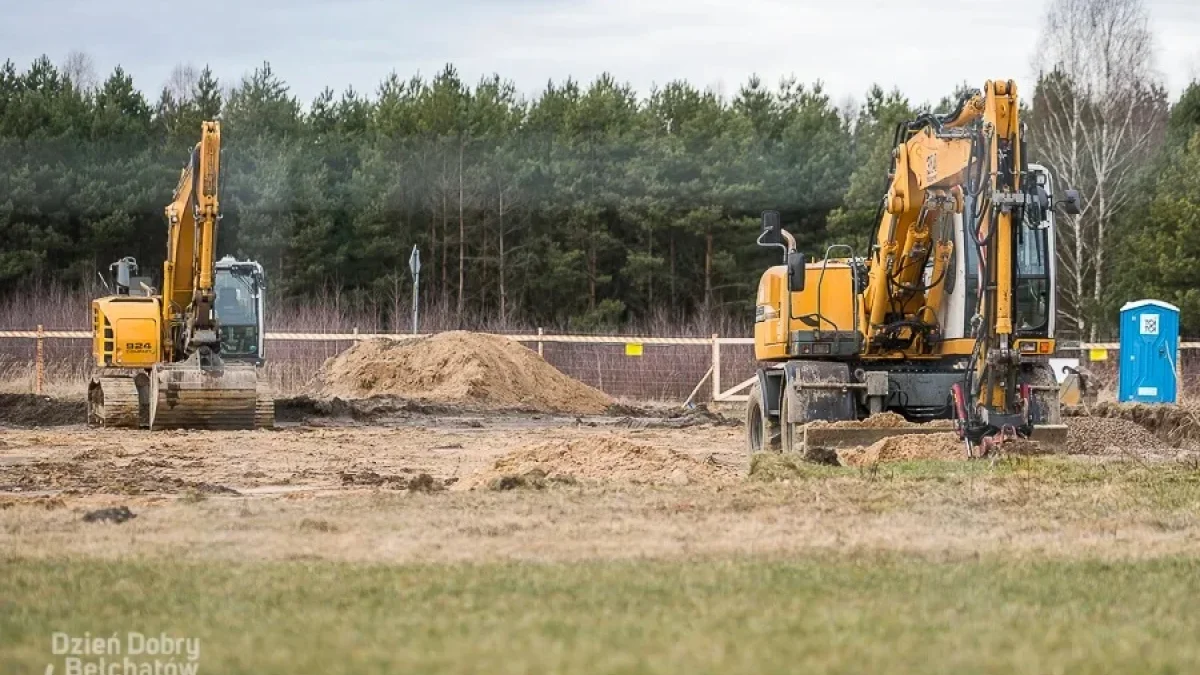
(81, 70)
(181, 84)
(1099, 110)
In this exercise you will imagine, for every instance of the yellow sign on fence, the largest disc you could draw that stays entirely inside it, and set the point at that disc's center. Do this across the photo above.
(1097, 354)
(633, 349)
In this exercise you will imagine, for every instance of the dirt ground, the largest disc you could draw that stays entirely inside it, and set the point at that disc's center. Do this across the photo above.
(76, 460)
(487, 486)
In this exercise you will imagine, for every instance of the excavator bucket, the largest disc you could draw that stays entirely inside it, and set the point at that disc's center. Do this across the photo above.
(186, 395)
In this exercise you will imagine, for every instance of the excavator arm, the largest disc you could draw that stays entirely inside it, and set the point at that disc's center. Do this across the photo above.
(930, 161)
(968, 164)
(192, 218)
(193, 386)
(995, 404)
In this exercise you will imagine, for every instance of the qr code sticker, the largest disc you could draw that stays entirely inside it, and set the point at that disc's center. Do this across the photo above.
(1149, 324)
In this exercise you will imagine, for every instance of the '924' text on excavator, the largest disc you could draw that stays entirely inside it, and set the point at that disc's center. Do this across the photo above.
(190, 355)
(948, 315)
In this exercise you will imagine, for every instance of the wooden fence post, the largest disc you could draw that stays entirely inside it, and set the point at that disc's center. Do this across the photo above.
(716, 366)
(39, 368)
(540, 334)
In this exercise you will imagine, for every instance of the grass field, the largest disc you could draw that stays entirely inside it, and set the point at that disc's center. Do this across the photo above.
(850, 614)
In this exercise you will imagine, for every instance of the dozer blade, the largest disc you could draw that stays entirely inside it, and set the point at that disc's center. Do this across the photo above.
(1049, 436)
(852, 437)
(186, 396)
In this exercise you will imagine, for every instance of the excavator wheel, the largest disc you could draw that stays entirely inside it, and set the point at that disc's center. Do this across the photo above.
(113, 401)
(762, 432)
(187, 396)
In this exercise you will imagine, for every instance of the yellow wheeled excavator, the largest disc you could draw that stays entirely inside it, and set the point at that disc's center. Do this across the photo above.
(949, 314)
(190, 355)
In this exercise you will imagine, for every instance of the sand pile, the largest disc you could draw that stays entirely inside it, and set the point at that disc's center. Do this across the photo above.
(459, 367)
(905, 448)
(594, 460)
(883, 420)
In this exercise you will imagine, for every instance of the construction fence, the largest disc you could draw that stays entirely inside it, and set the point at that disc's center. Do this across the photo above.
(712, 368)
(704, 369)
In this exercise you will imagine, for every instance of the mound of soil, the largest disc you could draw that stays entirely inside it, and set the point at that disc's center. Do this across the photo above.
(31, 410)
(1108, 436)
(904, 448)
(475, 369)
(1170, 423)
(595, 460)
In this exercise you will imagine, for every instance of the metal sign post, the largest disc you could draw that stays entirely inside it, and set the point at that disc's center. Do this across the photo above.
(414, 266)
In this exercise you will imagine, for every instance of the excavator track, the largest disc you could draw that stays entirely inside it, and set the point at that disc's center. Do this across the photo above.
(187, 396)
(113, 401)
(264, 408)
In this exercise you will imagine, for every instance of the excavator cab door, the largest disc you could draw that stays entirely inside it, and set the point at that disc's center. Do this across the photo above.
(239, 309)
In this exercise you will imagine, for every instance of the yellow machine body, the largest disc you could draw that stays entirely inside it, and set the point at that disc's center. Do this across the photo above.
(826, 300)
(126, 332)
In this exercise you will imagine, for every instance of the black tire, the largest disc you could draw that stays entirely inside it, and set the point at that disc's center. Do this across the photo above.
(762, 432)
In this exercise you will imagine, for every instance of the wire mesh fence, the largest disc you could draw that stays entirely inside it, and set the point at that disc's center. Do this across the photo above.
(660, 369)
(623, 367)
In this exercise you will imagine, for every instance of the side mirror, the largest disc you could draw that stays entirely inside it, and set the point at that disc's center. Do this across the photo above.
(1070, 203)
(796, 271)
(771, 229)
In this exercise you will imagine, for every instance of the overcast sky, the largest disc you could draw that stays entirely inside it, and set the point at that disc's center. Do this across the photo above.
(848, 44)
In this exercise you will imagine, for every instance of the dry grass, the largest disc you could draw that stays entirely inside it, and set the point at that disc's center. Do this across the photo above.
(60, 379)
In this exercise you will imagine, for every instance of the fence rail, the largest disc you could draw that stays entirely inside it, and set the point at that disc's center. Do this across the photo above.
(667, 372)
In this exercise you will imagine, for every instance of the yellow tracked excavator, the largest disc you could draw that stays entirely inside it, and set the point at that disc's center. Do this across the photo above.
(949, 313)
(190, 355)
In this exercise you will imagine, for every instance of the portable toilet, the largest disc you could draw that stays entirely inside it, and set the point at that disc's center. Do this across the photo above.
(1149, 352)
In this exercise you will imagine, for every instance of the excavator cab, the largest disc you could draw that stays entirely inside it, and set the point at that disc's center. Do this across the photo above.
(240, 288)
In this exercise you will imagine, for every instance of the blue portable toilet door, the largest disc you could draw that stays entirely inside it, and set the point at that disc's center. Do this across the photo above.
(1150, 336)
